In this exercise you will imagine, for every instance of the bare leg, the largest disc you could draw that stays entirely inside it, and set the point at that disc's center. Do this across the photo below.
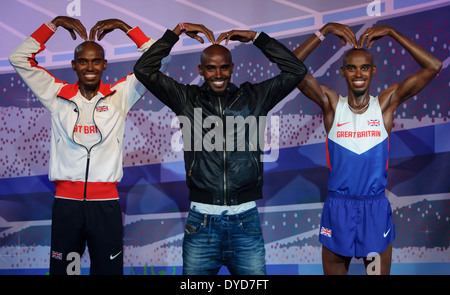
(334, 264)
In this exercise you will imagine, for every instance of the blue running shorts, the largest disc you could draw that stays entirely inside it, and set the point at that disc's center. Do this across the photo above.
(354, 226)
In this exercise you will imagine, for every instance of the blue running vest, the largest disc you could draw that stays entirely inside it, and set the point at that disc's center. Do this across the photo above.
(357, 150)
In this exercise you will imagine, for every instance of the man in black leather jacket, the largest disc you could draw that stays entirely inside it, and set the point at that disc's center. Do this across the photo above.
(222, 159)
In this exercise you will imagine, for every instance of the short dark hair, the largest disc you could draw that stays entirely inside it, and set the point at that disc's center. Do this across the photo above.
(81, 45)
(207, 51)
(351, 51)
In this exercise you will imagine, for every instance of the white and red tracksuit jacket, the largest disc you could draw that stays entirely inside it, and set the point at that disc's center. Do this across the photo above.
(78, 172)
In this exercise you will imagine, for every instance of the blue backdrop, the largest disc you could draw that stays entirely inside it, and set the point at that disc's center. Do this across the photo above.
(153, 193)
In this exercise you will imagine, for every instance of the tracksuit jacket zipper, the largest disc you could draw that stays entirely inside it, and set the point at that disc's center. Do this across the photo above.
(88, 155)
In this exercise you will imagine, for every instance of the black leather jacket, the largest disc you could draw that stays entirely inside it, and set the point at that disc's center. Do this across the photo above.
(221, 169)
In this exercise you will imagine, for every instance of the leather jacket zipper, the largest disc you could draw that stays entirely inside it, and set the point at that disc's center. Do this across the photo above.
(252, 148)
(234, 100)
(224, 158)
(192, 165)
(225, 151)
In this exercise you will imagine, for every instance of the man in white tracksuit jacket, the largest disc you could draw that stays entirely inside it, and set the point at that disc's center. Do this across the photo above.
(88, 122)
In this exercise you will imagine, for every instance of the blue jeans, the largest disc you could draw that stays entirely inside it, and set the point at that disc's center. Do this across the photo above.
(235, 241)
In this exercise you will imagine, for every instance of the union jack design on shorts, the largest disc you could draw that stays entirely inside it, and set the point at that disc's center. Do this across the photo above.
(325, 231)
(56, 255)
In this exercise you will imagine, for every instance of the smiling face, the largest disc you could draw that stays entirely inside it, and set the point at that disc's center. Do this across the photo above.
(89, 63)
(358, 70)
(216, 67)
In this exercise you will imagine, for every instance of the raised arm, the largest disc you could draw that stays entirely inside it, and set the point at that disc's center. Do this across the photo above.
(192, 30)
(147, 68)
(396, 94)
(343, 32)
(293, 70)
(237, 35)
(72, 25)
(323, 96)
(326, 98)
(23, 58)
(103, 27)
(133, 90)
